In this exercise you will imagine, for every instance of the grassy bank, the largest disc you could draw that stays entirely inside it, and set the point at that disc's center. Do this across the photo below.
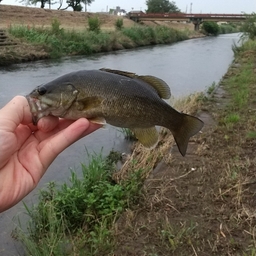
(58, 41)
(230, 28)
(77, 218)
(55, 41)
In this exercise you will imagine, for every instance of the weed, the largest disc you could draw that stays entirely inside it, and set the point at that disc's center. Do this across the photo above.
(231, 118)
(174, 237)
(229, 28)
(211, 28)
(79, 216)
(119, 24)
(128, 134)
(58, 42)
(211, 89)
(94, 24)
(249, 27)
(153, 35)
(251, 135)
(55, 29)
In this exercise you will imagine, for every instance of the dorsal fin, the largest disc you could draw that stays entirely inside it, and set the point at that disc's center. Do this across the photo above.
(119, 72)
(158, 84)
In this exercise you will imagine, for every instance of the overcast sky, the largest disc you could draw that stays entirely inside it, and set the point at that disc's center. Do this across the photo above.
(198, 6)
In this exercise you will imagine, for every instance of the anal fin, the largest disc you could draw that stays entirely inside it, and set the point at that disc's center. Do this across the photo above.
(148, 137)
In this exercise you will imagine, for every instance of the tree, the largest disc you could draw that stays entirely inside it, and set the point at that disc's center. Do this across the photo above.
(211, 28)
(76, 4)
(43, 2)
(161, 6)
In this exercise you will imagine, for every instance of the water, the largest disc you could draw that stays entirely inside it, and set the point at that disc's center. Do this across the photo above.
(189, 66)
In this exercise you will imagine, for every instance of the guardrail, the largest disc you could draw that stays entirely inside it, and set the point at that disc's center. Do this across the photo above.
(179, 16)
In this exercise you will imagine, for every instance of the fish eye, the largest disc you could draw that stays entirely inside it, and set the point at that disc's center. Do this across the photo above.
(41, 90)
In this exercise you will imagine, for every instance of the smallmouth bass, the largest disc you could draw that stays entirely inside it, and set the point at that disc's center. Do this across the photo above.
(116, 97)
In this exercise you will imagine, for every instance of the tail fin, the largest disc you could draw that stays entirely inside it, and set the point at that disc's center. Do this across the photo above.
(189, 127)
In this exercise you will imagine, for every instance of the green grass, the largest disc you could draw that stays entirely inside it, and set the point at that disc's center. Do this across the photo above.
(128, 134)
(119, 24)
(238, 85)
(232, 118)
(251, 135)
(78, 218)
(154, 35)
(94, 24)
(175, 236)
(59, 42)
(229, 28)
(211, 88)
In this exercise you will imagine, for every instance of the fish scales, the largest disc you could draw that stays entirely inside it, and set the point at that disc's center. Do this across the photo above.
(116, 97)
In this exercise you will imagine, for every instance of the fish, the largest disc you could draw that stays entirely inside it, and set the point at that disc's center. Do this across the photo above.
(119, 98)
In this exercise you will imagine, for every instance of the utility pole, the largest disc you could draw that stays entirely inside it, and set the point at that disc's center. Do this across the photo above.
(191, 4)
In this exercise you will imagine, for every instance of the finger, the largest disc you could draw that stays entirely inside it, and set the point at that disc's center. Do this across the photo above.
(93, 127)
(15, 112)
(44, 135)
(48, 123)
(51, 147)
(44, 138)
(63, 139)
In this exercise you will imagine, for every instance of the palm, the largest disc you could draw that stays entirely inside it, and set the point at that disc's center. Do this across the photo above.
(26, 151)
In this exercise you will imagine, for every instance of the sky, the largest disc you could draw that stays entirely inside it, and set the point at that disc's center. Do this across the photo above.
(198, 6)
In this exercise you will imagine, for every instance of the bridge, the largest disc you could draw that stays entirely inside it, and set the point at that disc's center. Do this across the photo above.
(196, 18)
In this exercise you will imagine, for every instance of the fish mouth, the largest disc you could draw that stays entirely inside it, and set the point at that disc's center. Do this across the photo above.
(35, 108)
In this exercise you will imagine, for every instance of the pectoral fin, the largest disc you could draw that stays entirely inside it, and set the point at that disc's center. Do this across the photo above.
(98, 120)
(89, 103)
(148, 137)
(92, 108)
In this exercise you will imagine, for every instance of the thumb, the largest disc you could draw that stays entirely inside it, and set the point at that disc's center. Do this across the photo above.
(14, 113)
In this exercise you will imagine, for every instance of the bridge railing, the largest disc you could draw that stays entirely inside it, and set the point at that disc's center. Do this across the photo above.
(185, 15)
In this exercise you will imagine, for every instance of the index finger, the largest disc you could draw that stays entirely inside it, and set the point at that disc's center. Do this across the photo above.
(15, 112)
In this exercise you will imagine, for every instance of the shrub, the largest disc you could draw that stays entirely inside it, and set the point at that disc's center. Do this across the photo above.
(249, 26)
(94, 24)
(119, 24)
(55, 29)
(211, 28)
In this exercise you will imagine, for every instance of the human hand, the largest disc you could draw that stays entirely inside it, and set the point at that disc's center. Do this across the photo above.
(26, 151)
